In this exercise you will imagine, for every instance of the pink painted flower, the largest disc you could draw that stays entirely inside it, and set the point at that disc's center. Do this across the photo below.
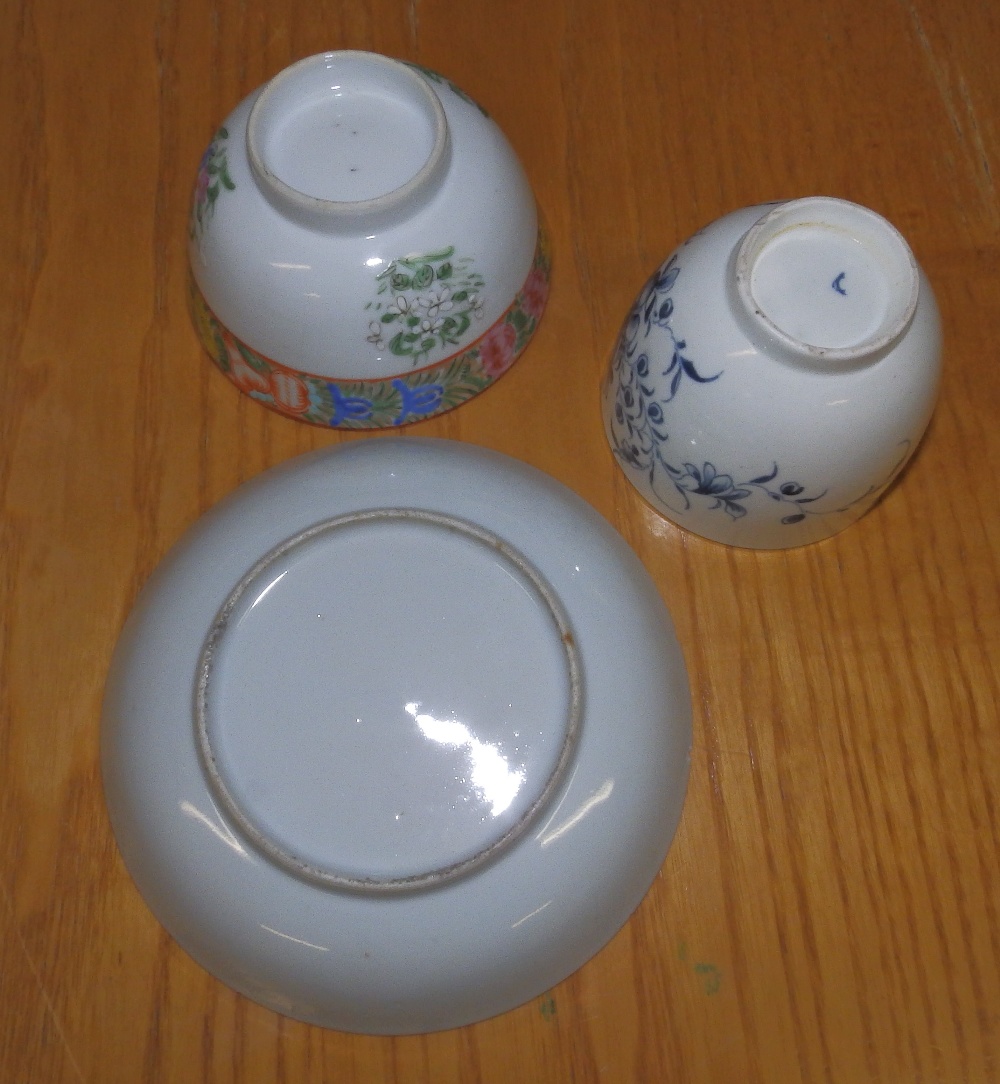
(201, 188)
(496, 349)
(290, 392)
(534, 294)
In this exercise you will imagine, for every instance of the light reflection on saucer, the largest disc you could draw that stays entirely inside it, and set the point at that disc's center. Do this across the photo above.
(492, 776)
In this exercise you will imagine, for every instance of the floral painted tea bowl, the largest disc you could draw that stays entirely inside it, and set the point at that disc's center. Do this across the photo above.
(365, 248)
(775, 374)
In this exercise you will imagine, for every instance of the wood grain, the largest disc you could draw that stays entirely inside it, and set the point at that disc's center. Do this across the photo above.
(829, 910)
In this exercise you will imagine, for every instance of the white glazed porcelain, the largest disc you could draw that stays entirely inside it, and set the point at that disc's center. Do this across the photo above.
(364, 245)
(397, 736)
(775, 374)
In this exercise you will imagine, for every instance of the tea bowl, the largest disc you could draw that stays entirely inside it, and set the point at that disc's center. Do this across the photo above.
(364, 245)
(775, 374)
(397, 736)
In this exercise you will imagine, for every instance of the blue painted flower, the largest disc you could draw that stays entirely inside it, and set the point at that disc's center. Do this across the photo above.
(419, 401)
(707, 482)
(349, 407)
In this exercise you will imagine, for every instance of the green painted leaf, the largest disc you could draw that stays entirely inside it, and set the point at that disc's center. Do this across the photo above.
(445, 271)
(399, 281)
(423, 277)
(254, 361)
(439, 254)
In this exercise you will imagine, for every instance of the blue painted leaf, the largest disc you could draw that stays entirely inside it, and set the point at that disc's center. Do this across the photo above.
(667, 275)
(797, 518)
(764, 478)
(695, 375)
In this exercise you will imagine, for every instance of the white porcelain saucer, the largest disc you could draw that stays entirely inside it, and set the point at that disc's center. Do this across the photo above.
(397, 736)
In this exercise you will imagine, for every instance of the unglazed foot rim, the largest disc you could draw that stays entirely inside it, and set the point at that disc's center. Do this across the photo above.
(885, 249)
(280, 95)
(328, 877)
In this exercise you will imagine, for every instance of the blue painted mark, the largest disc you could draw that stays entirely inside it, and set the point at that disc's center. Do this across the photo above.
(838, 283)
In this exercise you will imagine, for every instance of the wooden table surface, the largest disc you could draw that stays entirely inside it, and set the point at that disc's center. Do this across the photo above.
(829, 909)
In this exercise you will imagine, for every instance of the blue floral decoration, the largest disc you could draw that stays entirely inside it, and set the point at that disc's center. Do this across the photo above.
(346, 407)
(638, 412)
(417, 401)
(706, 481)
(639, 421)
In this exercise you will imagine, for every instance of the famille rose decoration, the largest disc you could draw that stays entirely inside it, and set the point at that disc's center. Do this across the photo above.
(365, 248)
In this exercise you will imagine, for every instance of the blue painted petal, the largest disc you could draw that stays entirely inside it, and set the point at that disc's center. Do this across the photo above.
(722, 483)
